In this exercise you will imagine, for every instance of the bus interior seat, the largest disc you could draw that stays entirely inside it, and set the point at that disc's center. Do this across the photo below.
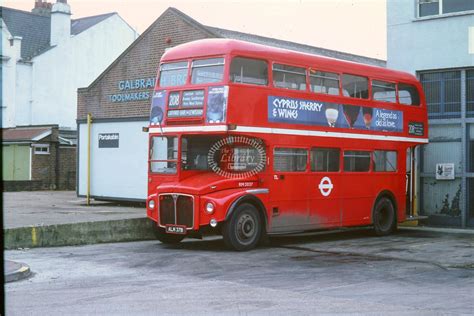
(200, 162)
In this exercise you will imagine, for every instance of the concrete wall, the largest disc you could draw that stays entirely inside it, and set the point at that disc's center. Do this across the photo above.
(415, 44)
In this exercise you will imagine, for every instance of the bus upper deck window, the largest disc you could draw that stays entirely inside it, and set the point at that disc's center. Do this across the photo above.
(173, 74)
(249, 71)
(408, 94)
(384, 91)
(324, 82)
(355, 86)
(207, 70)
(289, 77)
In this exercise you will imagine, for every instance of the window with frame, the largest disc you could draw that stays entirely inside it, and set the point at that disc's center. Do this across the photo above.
(173, 74)
(289, 77)
(209, 70)
(385, 161)
(470, 93)
(163, 154)
(384, 91)
(355, 86)
(443, 93)
(325, 159)
(290, 159)
(408, 94)
(437, 7)
(41, 149)
(249, 71)
(324, 82)
(356, 161)
(428, 7)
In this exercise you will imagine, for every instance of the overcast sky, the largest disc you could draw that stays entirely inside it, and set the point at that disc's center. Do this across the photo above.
(354, 26)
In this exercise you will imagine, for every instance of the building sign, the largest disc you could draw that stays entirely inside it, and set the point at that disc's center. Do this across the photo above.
(299, 111)
(133, 90)
(217, 104)
(109, 140)
(444, 171)
(416, 128)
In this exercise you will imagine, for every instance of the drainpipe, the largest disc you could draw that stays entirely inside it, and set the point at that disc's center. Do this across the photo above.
(89, 125)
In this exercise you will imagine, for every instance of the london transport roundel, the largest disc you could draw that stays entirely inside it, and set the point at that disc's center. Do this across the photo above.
(325, 186)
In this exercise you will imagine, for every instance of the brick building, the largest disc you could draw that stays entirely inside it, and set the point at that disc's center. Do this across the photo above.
(38, 158)
(119, 101)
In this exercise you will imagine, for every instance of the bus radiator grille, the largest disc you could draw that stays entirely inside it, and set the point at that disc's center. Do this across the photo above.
(167, 215)
(184, 206)
(182, 215)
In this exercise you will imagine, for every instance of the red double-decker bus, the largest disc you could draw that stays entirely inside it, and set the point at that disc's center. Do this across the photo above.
(249, 140)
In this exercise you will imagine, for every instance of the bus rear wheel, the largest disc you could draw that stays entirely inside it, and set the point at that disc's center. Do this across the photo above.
(384, 218)
(169, 239)
(244, 228)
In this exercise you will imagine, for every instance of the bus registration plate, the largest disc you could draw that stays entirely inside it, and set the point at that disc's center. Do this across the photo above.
(176, 229)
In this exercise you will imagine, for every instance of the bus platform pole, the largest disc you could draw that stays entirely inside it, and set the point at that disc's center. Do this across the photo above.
(89, 126)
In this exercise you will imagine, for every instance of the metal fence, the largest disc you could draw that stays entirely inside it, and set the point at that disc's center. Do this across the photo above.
(450, 101)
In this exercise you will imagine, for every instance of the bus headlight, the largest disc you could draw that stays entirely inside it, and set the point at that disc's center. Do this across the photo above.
(209, 208)
(151, 204)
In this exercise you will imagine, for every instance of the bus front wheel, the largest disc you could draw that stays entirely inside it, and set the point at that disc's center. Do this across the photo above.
(384, 218)
(244, 228)
(165, 238)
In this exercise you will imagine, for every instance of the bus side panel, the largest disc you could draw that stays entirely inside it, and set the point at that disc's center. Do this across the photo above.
(358, 197)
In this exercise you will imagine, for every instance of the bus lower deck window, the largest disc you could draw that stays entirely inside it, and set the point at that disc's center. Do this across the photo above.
(325, 159)
(249, 71)
(290, 159)
(385, 160)
(163, 154)
(356, 161)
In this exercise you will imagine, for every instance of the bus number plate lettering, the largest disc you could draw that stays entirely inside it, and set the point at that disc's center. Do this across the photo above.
(174, 229)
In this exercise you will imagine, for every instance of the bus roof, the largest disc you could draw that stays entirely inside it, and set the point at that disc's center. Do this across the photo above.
(213, 47)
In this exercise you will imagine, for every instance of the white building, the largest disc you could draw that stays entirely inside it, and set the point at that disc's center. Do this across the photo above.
(434, 40)
(46, 56)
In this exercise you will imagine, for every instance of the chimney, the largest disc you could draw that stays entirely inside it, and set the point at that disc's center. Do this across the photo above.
(60, 22)
(42, 8)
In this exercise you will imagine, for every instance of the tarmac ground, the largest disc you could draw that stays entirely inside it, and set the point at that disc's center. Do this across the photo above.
(412, 272)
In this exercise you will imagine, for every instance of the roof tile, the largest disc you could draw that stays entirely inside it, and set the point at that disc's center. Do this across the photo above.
(36, 29)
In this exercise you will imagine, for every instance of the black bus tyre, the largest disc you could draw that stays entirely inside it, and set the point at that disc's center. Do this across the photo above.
(169, 239)
(384, 217)
(244, 228)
